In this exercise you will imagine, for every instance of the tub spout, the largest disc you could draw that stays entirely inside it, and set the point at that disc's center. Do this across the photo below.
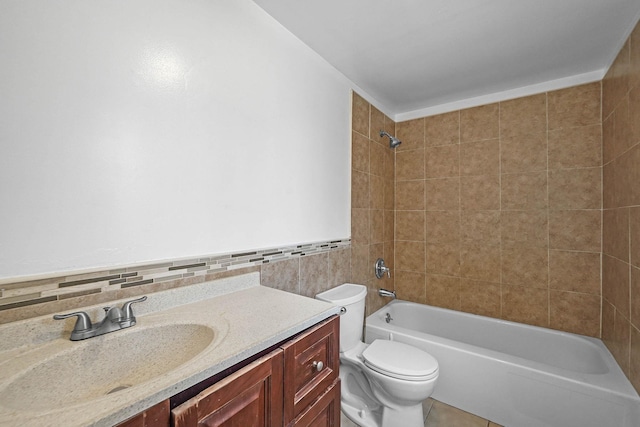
(387, 293)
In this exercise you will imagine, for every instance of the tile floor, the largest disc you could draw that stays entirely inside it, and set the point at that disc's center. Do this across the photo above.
(438, 414)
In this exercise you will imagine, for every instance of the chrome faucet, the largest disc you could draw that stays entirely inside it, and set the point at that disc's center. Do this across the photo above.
(387, 293)
(115, 318)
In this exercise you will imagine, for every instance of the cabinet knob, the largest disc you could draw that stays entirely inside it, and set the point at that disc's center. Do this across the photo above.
(318, 366)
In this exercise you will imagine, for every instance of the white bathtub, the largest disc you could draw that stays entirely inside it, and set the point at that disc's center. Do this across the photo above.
(514, 374)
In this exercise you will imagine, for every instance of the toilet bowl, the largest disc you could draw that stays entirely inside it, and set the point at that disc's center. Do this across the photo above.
(385, 382)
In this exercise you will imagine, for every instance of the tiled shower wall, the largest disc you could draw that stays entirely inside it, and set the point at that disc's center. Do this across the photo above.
(498, 210)
(621, 214)
(372, 199)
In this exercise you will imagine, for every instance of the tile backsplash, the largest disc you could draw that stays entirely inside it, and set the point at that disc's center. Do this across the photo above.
(28, 298)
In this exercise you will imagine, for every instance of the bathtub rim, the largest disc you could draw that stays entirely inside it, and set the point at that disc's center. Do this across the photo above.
(614, 381)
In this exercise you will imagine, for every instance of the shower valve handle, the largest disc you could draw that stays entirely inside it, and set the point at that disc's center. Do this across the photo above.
(380, 269)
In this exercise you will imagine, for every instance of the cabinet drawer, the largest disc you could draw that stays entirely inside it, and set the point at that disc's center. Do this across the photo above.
(325, 412)
(311, 364)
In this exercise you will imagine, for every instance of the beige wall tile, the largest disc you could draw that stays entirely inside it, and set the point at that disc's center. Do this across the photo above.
(442, 194)
(574, 312)
(443, 227)
(634, 358)
(283, 275)
(442, 161)
(522, 266)
(443, 258)
(575, 271)
(575, 106)
(609, 197)
(615, 233)
(524, 191)
(389, 226)
(377, 154)
(615, 284)
(360, 115)
(608, 138)
(376, 192)
(575, 189)
(480, 227)
(634, 73)
(480, 157)
(443, 129)
(480, 192)
(621, 342)
(480, 262)
(575, 230)
(608, 324)
(634, 228)
(360, 227)
(411, 286)
(410, 225)
(634, 114)
(480, 123)
(524, 153)
(359, 189)
(526, 305)
(443, 291)
(339, 267)
(635, 296)
(410, 256)
(376, 120)
(525, 228)
(410, 195)
(615, 84)
(314, 274)
(389, 194)
(627, 178)
(481, 298)
(359, 152)
(410, 164)
(376, 226)
(360, 265)
(523, 116)
(575, 147)
(411, 133)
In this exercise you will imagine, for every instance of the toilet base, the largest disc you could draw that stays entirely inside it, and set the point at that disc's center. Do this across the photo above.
(407, 416)
(361, 417)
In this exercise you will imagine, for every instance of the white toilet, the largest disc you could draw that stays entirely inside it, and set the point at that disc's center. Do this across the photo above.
(385, 382)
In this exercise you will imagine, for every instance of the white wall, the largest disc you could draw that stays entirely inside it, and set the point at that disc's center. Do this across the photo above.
(139, 130)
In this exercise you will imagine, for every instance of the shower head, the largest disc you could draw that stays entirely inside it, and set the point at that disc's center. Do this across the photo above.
(393, 141)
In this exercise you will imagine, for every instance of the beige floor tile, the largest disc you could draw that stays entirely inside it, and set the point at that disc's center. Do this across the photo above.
(346, 422)
(442, 415)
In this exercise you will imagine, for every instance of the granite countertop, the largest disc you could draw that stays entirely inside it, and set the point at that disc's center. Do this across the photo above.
(245, 319)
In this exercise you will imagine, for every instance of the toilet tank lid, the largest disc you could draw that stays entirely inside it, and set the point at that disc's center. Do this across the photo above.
(399, 358)
(345, 294)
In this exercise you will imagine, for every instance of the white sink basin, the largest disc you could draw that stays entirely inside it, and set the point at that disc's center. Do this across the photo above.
(101, 366)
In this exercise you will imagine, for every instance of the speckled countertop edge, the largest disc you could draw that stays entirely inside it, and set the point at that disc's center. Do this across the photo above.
(247, 318)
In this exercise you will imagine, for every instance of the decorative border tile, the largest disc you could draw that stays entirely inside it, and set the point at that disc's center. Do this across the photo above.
(56, 288)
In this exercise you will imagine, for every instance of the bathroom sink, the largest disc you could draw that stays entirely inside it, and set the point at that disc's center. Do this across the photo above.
(105, 365)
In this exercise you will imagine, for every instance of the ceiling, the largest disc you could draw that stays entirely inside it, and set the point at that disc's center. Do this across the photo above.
(417, 56)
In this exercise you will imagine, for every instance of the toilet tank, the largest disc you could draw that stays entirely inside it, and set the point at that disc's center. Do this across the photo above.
(351, 297)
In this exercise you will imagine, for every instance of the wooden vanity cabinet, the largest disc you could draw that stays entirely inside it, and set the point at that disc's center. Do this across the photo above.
(295, 384)
(250, 397)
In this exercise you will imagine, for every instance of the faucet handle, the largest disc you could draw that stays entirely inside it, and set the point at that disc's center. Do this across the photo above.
(128, 311)
(82, 324)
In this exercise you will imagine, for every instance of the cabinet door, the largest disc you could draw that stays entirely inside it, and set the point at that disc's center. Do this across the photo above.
(251, 397)
(311, 364)
(156, 416)
(325, 412)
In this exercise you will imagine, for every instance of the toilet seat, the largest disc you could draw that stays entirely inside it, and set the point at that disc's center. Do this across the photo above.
(399, 360)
